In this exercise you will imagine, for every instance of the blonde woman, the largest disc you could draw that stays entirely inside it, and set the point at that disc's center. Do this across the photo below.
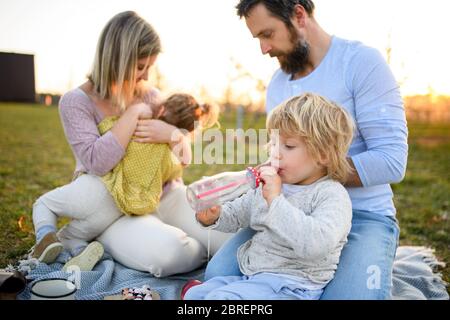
(127, 49)
(301, 215)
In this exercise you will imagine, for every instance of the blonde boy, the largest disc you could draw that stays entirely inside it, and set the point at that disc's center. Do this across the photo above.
(302, 213)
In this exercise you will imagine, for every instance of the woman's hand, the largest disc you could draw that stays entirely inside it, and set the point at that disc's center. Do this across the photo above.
(124, 128)
(272, 183)
(209, 216)
(142, 110)
(155, 131)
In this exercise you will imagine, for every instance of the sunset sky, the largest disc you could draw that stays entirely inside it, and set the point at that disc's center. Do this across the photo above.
(200, 36)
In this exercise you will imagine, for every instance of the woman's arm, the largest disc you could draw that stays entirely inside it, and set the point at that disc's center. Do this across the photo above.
(125, 127)
(98, 154)
(157, 131)
(153, 131)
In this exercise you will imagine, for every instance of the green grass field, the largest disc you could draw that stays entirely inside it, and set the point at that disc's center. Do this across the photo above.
(35, 158)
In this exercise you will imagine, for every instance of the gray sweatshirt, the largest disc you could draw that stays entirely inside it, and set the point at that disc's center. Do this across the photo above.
(301, 235)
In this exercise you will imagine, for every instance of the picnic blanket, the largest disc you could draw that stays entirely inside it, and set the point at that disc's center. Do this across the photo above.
(415, 277)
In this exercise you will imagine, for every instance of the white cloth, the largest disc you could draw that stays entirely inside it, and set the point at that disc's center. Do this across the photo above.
(166, 242)
(86, 201)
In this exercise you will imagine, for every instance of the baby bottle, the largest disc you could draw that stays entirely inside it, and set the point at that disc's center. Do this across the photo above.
(220, 188)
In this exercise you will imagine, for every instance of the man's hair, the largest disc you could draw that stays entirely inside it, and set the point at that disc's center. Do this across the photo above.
(325, 127)
(125, 39)
(183, 111)
(282, 9)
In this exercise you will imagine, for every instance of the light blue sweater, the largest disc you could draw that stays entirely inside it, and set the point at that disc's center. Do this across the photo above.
(358, 78)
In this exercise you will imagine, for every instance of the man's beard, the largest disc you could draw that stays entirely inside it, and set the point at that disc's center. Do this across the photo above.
(296, 60)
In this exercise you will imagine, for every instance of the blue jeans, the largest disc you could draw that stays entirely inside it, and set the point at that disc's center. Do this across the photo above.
(365, 266)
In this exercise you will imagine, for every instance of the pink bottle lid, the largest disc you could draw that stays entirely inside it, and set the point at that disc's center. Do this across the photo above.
(255, 175)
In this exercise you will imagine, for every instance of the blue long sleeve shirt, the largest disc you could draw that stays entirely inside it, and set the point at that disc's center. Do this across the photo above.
(358, 78)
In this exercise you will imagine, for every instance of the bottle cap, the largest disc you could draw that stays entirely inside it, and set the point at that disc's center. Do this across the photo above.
(255, 176)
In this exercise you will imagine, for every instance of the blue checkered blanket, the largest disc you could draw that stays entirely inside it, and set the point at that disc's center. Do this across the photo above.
(415, 276)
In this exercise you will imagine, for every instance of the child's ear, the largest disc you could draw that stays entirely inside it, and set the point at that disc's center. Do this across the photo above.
(324, 160)
(160, 112)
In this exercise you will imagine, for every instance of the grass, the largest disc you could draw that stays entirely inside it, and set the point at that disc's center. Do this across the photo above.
(35, 158)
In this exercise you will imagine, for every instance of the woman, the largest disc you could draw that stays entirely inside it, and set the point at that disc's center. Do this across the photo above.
(127, 49)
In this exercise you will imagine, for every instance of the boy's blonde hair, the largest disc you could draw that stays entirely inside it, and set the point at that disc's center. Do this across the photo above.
(125, 39)
(326, 129)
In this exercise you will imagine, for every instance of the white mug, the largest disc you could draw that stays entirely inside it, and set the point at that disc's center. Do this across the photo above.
(53, 289)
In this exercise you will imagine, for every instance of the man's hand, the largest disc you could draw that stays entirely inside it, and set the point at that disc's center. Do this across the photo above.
(272, 183)
(209, 216)
(353, 179)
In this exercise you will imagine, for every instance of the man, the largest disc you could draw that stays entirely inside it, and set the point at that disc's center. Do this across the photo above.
(357, 78)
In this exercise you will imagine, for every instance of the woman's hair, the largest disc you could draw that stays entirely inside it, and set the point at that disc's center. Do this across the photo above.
(184, 112)
(125, 39)
(325, 127)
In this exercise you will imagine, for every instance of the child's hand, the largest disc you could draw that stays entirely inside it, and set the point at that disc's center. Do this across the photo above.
(209, 216)
(272, 183)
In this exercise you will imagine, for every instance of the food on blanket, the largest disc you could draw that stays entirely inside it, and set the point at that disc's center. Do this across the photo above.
(144, 293)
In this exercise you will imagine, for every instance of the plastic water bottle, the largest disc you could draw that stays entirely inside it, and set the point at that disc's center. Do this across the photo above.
(223, 187)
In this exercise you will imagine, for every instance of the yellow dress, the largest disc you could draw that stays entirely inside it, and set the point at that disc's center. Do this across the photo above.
(136, 181)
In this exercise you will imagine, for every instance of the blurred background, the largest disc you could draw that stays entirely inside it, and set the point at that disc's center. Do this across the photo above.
(47, 47)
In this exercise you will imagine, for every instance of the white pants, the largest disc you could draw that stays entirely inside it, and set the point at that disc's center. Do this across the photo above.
(86, 201)
(166, 242)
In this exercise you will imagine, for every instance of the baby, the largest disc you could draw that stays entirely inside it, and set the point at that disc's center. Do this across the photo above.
(136, 182)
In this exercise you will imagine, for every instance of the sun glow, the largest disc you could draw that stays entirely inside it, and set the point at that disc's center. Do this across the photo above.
(204, 41)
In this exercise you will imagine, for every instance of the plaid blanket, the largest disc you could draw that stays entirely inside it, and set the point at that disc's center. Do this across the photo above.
(415, 277)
